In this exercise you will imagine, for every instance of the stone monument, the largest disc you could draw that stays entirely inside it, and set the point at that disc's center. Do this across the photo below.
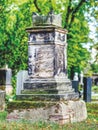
(47, 60)
(47, 80)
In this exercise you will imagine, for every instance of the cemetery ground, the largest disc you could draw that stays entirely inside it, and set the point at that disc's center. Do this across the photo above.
(91, 123)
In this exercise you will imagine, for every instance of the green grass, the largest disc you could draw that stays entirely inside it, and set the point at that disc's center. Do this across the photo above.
(95, 89)
(90, 124)
(3, 116)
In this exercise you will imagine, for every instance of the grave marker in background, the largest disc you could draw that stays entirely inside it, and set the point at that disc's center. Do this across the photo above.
(5, 80)
(22, 75)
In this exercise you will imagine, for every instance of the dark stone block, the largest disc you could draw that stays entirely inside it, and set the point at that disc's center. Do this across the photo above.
(5, 76)
(87, 89)
(75, 85)
(2, 77)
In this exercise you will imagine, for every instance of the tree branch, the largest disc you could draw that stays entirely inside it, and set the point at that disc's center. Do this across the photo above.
(76, 10)
(36, 5)
(68, 13)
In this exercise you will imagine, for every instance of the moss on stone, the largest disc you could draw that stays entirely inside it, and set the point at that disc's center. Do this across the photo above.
(33, 92)
(18, 105)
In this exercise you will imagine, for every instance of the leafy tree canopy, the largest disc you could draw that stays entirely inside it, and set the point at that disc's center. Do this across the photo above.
(16, 15)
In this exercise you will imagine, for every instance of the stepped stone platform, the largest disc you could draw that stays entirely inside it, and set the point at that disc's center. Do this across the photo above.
(49, 89)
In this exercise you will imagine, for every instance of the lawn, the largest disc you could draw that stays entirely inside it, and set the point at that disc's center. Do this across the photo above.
(90, 124)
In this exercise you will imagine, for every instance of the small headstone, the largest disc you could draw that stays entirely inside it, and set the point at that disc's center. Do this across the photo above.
(87, 89)
(75, 82)
(81, 78)
(22, 75)
(5, 80)
(76, 77)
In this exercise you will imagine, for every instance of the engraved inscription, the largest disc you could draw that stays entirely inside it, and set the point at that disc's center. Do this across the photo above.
(41, 61)
(60, 60)
(60, 37)
(42, 37)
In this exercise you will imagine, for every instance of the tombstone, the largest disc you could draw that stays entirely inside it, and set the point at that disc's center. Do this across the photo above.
(75, 82)
(47, 78)
(22, 75)
(96, 81)
(81, 78)
(47, 60)
(87, 89)
(5, 80)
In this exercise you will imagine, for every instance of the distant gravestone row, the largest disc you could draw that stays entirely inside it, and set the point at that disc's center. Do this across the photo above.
(86, 83)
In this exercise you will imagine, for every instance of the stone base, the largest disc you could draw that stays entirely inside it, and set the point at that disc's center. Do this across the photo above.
(2, 100)
(9, 89)
(49, 89)
(61, 112)
(48, 97)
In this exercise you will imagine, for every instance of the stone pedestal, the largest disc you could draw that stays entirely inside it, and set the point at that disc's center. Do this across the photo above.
(47, 77)
(47, 64)
(58, 112)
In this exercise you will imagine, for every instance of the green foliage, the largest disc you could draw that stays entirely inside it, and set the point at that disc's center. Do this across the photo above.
(3, 115)
(14, 43)
(16, 15)
(94, 68)
(13, 105)
(95, 89)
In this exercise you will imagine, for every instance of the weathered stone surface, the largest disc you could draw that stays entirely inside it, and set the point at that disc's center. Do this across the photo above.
(9, 89)
(46, 53)
(47, 64)
(50, 19)
(50, 88)
(62, 113)
(38, 65)
(2, 100)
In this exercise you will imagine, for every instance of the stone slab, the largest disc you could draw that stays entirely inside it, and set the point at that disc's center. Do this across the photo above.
(22, 75)
(61, 112)
(49, 89)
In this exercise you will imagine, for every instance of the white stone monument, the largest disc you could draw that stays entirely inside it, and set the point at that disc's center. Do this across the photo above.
(81, 78)
(22, 75)
(76, 77)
